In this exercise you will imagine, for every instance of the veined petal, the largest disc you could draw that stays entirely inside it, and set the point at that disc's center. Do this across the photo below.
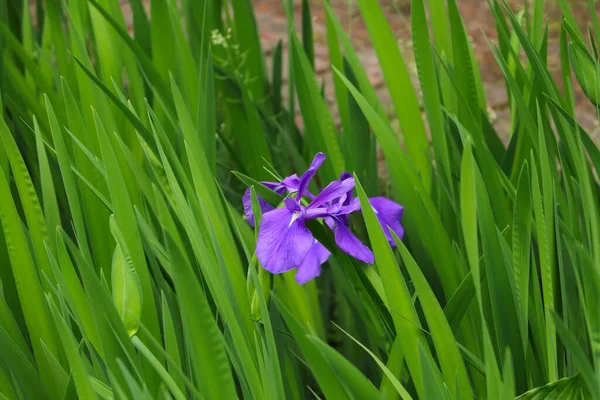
(351, 245)
(308, 175)
(310, 267)
(333, 191)
(389, 214)
(283, 240)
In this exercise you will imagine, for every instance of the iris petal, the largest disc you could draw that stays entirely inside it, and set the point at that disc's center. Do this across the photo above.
(283, 240)
(310, 267)
(334, 190)
(389, 214)
(350, 207)
(291, 183)
(308, 175)
(345, 175)
(264, 206)
(351, 245)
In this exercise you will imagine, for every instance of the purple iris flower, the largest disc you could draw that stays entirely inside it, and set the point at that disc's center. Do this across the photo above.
(285, 243)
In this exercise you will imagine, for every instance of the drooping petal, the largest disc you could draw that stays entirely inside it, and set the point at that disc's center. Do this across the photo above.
(389, 214)
(264, 206)
(283, 240)
(351, 245)
(310, 267)
(334, 190)
(308, 175)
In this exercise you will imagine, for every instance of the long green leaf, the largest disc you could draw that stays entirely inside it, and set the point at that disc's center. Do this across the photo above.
(400, 86)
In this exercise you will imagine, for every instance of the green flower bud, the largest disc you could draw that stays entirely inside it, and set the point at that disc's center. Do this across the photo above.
(587, 71)
(265, 279)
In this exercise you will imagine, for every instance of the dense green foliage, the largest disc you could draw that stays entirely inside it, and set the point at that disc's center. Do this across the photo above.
(127, 269)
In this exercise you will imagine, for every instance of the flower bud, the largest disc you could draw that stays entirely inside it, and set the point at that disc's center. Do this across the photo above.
(265, 280)
(587, 71)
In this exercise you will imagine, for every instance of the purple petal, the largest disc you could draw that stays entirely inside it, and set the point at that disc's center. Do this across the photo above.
(350, 207)
(345, 175)
(331, 223)
(283, 240)
(275, 186)
(351, 245)
(313, 213)
(308, 175)
(333, 191)
(310, 267)
(247, 201)
(350, 194)
(343, 211)
(292, 204)
(389, 214)
(291, 183)
(344, 220)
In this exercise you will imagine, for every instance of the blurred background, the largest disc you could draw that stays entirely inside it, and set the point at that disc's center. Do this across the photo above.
(479, 23)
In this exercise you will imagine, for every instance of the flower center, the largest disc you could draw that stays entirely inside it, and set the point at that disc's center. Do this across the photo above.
(295, 216)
